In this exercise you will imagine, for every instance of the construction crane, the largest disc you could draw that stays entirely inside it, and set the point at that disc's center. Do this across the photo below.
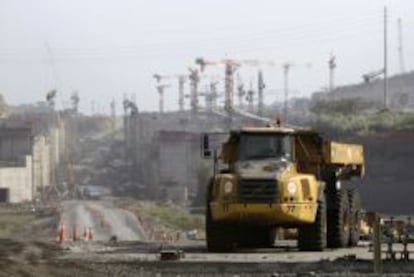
(129, 105)
(50, 98)
(112, 106)
(241, 92)
(74, 98)
(260, 87)
(230, 67)
(332, 66)
(194, 81)
(214, 94)
(287, 66)
(368, 77)
(160, 89)
(250, 98)
(182, 78)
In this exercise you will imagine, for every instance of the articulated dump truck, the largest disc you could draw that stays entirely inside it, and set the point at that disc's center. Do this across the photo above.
(267, 178)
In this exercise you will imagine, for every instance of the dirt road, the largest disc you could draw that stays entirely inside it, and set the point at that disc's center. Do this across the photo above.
(103, 218)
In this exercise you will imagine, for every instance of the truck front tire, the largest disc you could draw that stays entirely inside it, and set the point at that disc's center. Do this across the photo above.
(312, 237)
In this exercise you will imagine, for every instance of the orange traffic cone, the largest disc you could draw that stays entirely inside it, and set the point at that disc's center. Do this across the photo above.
(74, 233)
(62, 233)
(90, 234)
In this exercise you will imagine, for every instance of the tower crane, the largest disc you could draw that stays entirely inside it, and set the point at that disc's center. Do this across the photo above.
(241, 92)
(129, 105)
(231, 65)
(214, 94)
(250, 98)
(50, 98)
(182, 78)
(75, 101)
(160, 89)
(194, 80)
(368, 77)
(260, 88)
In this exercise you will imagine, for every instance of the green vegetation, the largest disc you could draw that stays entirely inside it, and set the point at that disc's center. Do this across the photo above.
(358, 116)
(342, 106)
(166, 215)
(365, 123)
(12, 224)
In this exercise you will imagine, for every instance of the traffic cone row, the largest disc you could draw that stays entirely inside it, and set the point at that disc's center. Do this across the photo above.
(62, 236)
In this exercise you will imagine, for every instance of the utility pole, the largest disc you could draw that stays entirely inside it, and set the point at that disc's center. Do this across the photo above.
(127, 138)
(377, 244)
(332, 66)
(400, 46)
(286, 68)
(385, 59)
(260, 87)
(113, 116)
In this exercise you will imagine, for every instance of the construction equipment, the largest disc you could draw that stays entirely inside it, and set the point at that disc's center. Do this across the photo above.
(281, 177)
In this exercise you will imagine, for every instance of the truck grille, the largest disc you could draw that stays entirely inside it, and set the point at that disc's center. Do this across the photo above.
(258, 191)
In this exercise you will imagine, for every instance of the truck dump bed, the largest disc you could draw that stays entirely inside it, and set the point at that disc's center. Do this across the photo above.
(346, 156)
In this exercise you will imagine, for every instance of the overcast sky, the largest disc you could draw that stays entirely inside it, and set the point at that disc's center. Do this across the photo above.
(104, 48)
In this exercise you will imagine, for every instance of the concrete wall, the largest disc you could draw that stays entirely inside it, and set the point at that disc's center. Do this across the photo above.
(19, 181)
(41, 164)
(178, 163)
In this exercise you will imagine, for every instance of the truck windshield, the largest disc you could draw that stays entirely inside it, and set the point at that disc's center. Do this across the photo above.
(264, 146)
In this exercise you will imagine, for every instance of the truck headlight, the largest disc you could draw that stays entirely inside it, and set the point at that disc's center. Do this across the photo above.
(228, 187)
(292, 188)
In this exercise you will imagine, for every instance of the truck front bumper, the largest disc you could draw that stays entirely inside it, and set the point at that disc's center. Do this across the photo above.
(266, 214)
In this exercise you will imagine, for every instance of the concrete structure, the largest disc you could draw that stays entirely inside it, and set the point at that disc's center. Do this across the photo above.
(163, 151)
(41, 164)
(177, 164)
(31, 149)
(16, 182)
(15, 162)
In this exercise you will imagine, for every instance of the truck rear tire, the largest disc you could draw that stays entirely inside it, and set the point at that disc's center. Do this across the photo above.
(312, 237)
(338, 219)
(355, 217)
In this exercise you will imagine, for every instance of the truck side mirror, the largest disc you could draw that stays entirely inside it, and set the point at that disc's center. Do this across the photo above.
(206, 151)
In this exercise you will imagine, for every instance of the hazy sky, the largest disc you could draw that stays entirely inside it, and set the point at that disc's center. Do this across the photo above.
(104, 48)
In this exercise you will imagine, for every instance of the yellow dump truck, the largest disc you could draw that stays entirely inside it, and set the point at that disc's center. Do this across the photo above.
(280, 177)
